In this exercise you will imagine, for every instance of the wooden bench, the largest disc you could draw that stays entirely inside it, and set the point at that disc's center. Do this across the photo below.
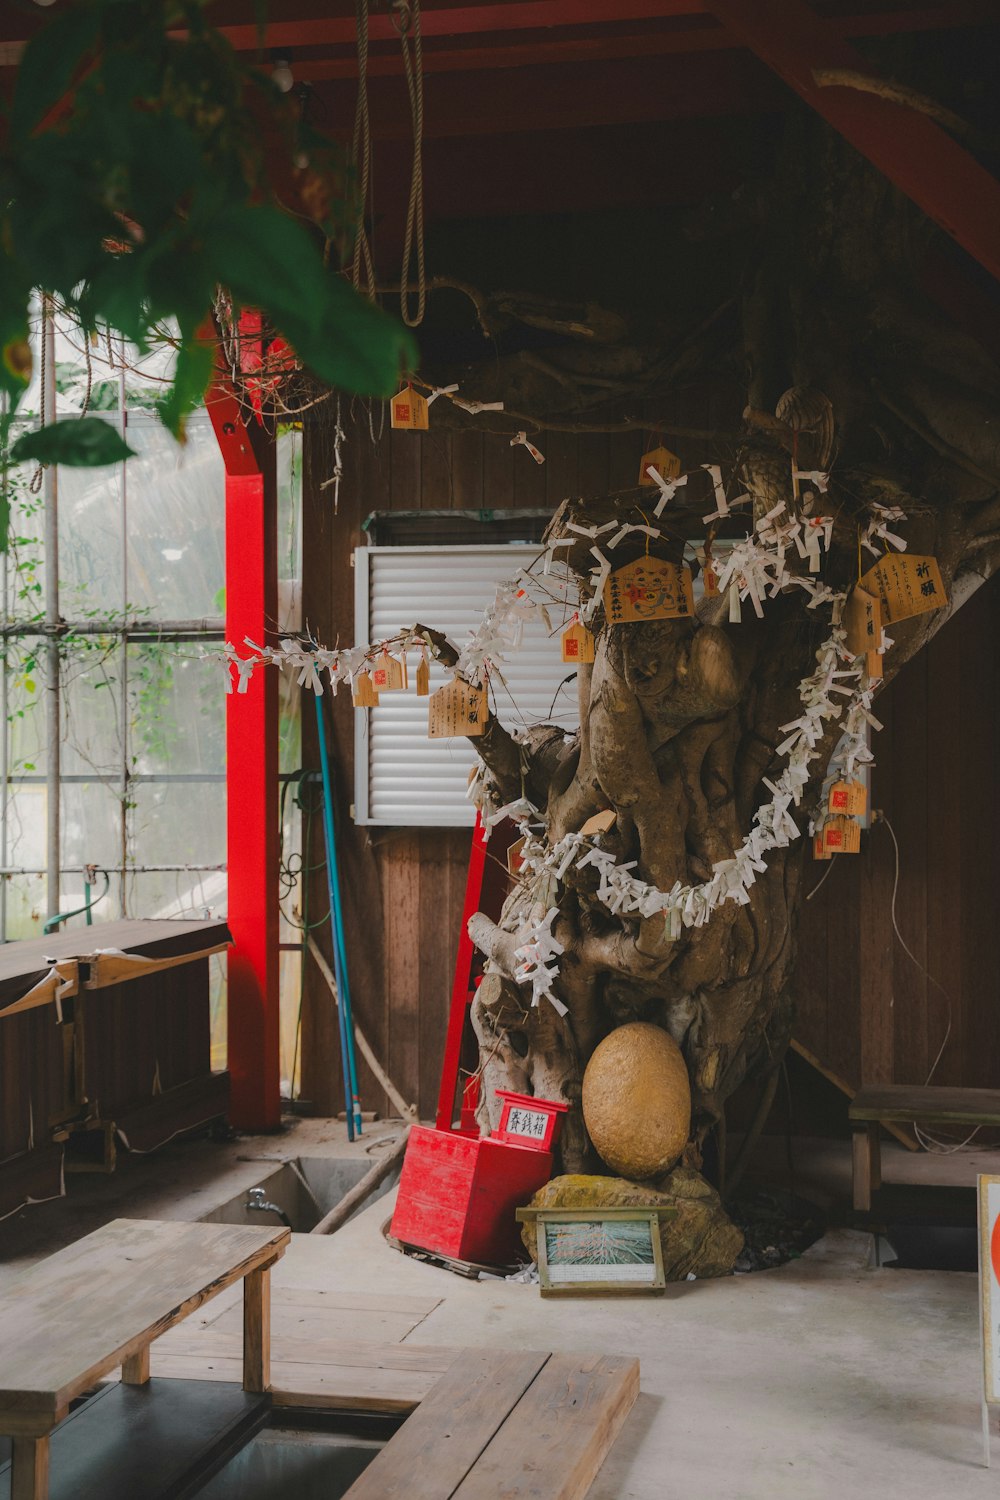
(101, 1302)
(526, 1426)
(897, 1103)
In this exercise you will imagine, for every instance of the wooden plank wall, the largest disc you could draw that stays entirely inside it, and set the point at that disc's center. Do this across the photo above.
(404, 888)
(865, 1008)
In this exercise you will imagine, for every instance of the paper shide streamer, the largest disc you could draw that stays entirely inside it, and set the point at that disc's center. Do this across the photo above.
(756, 570)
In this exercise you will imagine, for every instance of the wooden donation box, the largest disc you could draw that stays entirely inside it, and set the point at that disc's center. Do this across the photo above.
(104, 1040)
(458, 1194)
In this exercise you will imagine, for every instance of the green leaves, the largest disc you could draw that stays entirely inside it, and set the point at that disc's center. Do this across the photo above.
(269, 261)
(81, 443)
(192, 374)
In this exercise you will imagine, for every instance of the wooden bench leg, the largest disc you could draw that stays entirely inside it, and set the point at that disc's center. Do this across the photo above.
(862, 1164)
(135, 1367)
(30, 1469)
(874, 1155)
(257, 1330)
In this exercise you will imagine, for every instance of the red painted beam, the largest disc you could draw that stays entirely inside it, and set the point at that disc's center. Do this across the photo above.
(252, 768)
(912, 151)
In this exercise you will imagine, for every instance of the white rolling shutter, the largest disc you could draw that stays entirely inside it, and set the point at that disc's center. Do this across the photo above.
(402, 777)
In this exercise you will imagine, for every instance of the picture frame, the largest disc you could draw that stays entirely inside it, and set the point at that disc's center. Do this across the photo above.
(599, 1252)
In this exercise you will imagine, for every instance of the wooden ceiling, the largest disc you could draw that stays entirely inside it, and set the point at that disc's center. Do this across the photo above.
(550, 106)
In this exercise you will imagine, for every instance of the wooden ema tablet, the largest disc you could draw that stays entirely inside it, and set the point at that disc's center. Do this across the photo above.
(599, 823)
(862, 621)
(423, 676)
(841, 835)
(666, 464)
(388, 674)
(848, 797)
(577, 643)
(648, 589)
(408, 410)
(364, 694)
(905, 585)
(458, 708)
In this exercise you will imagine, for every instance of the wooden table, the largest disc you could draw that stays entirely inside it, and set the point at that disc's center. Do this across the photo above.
(101, 1302)
(899, 1102)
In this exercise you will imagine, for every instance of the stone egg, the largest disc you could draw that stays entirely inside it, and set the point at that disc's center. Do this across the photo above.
(637, 1100)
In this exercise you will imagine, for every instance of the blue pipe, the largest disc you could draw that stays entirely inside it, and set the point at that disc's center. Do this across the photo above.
(352, 1102)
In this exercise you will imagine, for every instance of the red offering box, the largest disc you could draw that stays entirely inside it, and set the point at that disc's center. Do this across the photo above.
(457, 1195)
(527, 1121)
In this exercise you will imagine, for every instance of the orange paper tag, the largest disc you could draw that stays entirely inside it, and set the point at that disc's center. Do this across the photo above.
(841, 835)
(666, 464)
(455, 709)
(577, 643)
(364, 695)
(648, 589)
(906, 585)
(862, 620)
(408, 409)
(849, 797)
(387, 674)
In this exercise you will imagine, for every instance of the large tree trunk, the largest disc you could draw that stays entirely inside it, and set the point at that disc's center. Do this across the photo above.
(850, 367)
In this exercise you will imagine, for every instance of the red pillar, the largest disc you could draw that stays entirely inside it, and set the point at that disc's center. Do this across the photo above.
(252, 767)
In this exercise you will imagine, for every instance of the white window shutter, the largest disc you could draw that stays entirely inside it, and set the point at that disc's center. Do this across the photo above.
(402, 778)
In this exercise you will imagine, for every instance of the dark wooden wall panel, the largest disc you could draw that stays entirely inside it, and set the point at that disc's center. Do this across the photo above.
(864, 1008)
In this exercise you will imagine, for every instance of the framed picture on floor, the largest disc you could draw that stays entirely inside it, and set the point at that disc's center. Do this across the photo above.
(598, 1251)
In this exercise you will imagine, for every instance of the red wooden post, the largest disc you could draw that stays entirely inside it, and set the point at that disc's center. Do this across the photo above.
(252, 766)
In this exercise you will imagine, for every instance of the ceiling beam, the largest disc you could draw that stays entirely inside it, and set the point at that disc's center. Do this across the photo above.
(926, 163)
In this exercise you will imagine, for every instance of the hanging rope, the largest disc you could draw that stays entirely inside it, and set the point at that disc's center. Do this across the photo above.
(363, 155)
(406, 19)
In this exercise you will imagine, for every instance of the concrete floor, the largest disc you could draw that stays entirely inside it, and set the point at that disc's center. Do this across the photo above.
(820, 1379)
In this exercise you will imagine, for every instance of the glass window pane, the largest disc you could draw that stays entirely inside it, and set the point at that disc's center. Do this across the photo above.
(91, 716)
(177, 709)
(179, 824)
(23, 901)
(175, 505)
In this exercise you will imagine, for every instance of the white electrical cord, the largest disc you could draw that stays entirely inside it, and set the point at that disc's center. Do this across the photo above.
(929, 1142)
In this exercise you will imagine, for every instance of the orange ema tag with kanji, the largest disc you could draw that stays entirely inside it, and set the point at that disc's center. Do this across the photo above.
(458, 708)
(666, 464)
(364, 694)
(423, 676)
(387, 674)
(648, 589)
(848, 797)
(710, 578)
(818, 851)
(862, 621)
(841, 835)
(408, 409)
(577, 643)
(905, 585)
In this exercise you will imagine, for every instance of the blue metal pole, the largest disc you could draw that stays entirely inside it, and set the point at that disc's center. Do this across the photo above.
(352, 1103)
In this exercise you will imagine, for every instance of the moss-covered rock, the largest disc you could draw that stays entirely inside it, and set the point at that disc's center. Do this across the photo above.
(701, 1239)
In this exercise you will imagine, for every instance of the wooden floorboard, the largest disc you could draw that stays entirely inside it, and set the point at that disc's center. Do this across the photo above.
(433, 1452)
(559, 1434)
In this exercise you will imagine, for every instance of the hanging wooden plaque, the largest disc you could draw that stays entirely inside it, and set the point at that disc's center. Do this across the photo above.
(666, 464)
(408, 409)
(599, 823)
(388, 674)
(905, 585)
(577, 643)
(818, 850)
(862, 620)
(849, 797)
(423, 676)
(841, 835)
(648, 589)
(364, 694)
(455, 709)
(873, 662)
(514, 860)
